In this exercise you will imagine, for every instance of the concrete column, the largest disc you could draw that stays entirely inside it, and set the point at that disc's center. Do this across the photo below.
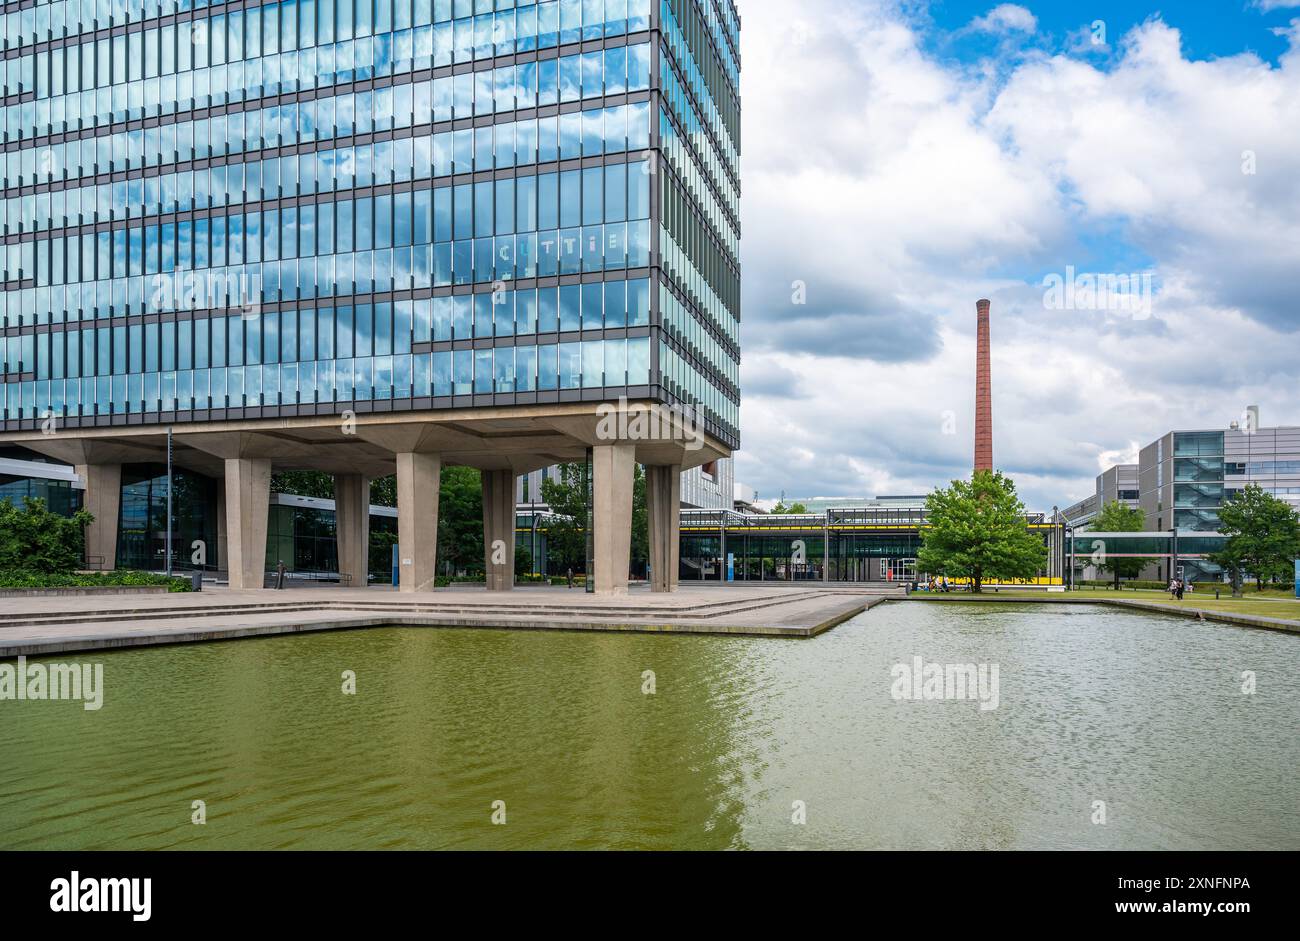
(419, 477)
(248, 496)
(611, 466)
(218, 557)
(352, 528)
(663, 493)
(104, 501)
(499, 529)
(826, 554)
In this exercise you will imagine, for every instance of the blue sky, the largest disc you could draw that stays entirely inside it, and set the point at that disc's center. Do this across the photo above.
(903, 159)
(1210, 28)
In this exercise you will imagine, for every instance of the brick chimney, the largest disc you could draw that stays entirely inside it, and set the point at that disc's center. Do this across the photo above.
(983, 391)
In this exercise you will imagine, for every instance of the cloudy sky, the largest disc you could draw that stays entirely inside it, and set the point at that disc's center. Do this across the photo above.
(902, 159)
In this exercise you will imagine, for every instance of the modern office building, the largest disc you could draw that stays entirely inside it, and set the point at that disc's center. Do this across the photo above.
(873, 541)
(22, 478)
(1185, 477)
(824, 504)
(744, 498)
(1117, 484)
(1181, 482)
(367, 238)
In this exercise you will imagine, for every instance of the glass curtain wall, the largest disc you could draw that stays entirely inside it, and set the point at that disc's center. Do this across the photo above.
(307, 214)
(142, 525)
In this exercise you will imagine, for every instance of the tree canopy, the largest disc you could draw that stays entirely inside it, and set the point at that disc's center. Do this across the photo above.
(318, 484)
(792, 508)
(566, 531)
(977, 529)
(460, 520)
(1263, 536)
(35, 540)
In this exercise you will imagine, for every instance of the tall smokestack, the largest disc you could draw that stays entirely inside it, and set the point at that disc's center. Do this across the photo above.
(983, 391)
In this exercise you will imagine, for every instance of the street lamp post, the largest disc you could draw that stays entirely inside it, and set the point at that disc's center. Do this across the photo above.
(169, 501)
(1058, 557)
(533, 507)
(1173, 553)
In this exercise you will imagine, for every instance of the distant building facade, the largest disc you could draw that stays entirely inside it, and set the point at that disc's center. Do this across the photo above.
(1181, 482)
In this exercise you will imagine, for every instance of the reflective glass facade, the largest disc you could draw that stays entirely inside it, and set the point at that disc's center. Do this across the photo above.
(212, 208)
(59, 495)
(142, 528)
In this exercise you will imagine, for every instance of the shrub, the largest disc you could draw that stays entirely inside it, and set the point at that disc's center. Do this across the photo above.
(1130, 583)
(25, 578)
(563, 580)
(34, 539)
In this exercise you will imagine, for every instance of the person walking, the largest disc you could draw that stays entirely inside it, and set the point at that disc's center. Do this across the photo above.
(569, 575)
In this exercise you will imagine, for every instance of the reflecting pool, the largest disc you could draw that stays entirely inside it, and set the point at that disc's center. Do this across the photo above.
(710, 749)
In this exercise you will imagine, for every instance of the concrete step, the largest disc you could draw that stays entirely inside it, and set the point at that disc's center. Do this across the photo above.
(450, 608)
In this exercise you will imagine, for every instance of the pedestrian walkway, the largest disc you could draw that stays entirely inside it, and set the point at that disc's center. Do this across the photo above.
(36, 625)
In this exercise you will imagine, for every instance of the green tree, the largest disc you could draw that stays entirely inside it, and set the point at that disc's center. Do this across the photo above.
(1116, 517)
(976, 529)
(460, 520)
(566, 531)
(1263, 535)
(523, 560)
(304, 484)
(792, 508)
(35, 540)
(640, 556)
(318, 484)
(383, 491)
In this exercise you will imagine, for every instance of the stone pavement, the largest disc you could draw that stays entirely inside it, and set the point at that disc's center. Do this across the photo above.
(45, 625)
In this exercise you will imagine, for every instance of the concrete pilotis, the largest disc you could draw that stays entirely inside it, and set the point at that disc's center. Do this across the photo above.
(103, 500)
(663, 490)
(218, 555)
(248, 494)
(352, 527)
(499, 529)
(418, 479)
(612, 469)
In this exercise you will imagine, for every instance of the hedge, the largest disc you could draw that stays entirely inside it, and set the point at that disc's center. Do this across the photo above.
(1124, 583)
(19, 578)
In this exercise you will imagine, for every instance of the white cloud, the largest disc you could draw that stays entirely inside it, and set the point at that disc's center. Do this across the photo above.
(1125, 455)
(1005, 18)
(900, 189)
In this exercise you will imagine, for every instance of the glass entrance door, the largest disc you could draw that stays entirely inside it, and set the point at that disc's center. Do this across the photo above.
(902, 570)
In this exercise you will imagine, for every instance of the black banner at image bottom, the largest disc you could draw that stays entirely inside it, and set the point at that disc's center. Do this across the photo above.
(139, 891)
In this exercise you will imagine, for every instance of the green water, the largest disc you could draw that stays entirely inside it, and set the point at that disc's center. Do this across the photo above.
(1145, 713)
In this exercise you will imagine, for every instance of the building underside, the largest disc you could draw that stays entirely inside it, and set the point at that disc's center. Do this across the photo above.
(241, 456)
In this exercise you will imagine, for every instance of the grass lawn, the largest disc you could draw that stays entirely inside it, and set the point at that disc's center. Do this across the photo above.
(1269, 604)
(1264, 607)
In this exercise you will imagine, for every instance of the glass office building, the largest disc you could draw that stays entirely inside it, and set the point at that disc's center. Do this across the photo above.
(220, 210)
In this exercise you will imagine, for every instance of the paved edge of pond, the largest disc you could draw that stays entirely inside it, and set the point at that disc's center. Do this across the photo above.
(119, 637)
(1195, 614)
